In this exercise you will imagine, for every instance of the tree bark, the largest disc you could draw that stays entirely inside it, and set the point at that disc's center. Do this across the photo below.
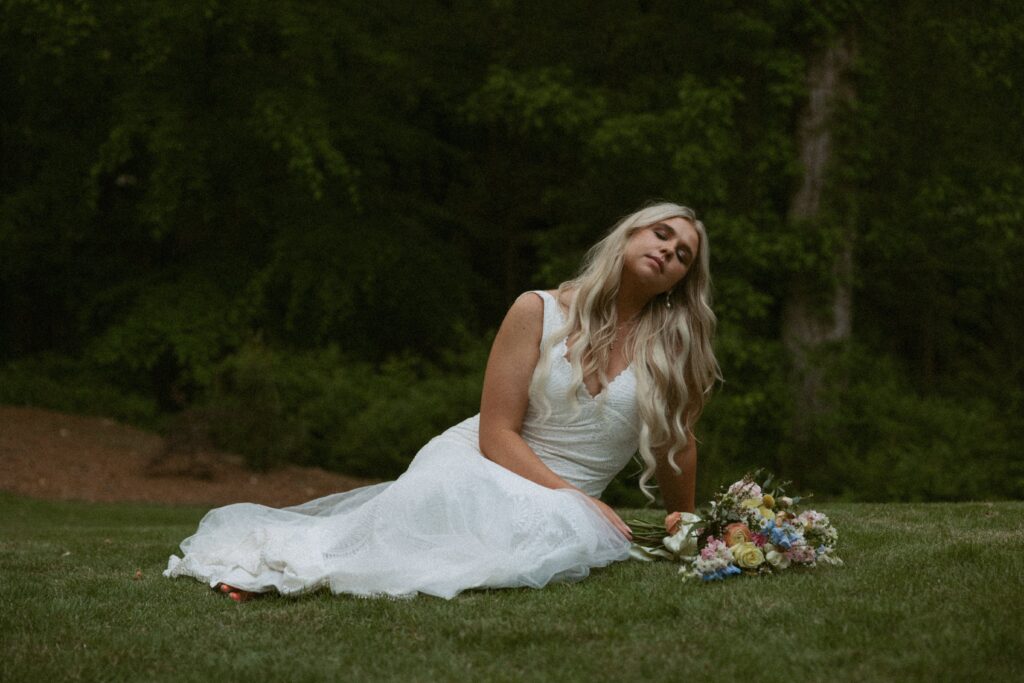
(813, 315)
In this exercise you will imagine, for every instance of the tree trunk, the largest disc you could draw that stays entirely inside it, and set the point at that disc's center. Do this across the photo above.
(814, 315)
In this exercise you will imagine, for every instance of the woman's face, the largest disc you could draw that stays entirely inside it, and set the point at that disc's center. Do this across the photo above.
(658, 256)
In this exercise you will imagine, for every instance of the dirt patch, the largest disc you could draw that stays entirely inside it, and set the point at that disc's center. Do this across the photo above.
(45, 454)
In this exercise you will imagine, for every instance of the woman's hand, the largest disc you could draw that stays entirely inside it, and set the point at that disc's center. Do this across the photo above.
(613, 517)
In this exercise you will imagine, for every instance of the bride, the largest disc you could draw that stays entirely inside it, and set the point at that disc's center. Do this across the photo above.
(578, 380)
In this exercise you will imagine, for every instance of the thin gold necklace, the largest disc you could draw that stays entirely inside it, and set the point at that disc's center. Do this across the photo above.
(617, 328)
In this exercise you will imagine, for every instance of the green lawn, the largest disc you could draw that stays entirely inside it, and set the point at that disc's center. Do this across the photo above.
(929, 591)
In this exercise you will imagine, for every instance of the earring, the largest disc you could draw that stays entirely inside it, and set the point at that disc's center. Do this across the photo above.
(668, 298)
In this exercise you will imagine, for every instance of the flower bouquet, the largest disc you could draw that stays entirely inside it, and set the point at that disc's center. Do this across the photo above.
(748, 528)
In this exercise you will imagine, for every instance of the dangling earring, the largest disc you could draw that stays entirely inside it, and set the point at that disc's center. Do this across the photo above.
(668, 297)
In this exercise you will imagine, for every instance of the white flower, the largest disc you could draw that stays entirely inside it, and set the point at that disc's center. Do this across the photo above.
(829, 558)
(712, 565)
(812, 518)
(683, 543)
(775, 558)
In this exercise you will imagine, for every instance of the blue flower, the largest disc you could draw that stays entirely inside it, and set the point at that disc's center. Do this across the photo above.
(780, 537)
(723, 573)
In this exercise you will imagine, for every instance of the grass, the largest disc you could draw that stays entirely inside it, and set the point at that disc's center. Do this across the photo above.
(929, 591)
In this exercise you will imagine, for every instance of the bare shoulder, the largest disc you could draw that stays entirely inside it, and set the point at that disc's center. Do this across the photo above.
(525, 316)
(516, 344)
(527, 303)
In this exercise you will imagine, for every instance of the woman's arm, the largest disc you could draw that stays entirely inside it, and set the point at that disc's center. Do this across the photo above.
(679, 490)
(510, 367)
(506, 392)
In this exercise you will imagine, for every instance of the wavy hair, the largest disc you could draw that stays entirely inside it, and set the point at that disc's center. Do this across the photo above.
(671, 347)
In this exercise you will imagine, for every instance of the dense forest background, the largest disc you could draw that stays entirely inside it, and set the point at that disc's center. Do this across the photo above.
(299, 223)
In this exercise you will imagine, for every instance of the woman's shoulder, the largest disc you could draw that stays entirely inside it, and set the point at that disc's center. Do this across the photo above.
(534, 301)
(527, 311)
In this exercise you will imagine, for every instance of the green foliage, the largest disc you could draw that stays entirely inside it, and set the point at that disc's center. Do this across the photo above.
(546, 100)
(249, 410)
(351, 284)
(180, 178)
(747, 419)
(323, 408)
(187, 323)
(883, 441)
(67, 384)
(687, 141)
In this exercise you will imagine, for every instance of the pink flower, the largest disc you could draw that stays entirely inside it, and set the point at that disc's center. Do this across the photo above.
(672, 522)
(801, 554)
(759, 540)
(745, 489)
(711, 549)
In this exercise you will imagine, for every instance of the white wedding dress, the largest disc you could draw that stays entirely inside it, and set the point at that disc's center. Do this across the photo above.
(453, 521)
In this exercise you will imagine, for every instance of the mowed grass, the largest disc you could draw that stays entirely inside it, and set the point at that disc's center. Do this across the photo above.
(929, 592)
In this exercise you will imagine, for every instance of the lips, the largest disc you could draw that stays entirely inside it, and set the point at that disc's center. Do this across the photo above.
(657, 261)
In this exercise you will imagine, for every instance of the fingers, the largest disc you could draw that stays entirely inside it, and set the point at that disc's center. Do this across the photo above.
(624, 528)
(614, 518)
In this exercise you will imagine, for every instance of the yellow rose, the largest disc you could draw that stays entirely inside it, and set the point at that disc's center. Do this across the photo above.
(768, 500)
(765, 512)
(752, 503)
(747, 555)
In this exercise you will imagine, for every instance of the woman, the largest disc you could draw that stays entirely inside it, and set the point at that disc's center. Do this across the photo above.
(578, 380)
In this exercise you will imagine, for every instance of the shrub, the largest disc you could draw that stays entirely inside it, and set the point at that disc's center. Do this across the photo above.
(883, 441)
(323, 408)
(71, 385)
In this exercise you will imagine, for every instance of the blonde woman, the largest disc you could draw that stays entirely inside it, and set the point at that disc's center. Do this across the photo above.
(579, 379)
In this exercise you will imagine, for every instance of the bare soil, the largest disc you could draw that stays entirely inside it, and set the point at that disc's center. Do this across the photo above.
(45, 454)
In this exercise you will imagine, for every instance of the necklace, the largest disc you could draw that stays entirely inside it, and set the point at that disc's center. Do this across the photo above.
(618, 328)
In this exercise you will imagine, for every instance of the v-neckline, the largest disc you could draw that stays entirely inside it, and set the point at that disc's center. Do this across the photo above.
(564, 347)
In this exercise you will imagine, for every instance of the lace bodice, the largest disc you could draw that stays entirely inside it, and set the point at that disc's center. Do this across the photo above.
(589, 444)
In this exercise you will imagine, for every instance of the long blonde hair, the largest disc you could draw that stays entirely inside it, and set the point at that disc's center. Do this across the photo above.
(672, 357)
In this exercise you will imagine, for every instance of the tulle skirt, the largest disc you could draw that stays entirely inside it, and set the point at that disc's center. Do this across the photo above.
(453, 521)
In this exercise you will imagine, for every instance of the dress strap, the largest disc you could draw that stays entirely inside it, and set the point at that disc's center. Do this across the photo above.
(553, 317)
